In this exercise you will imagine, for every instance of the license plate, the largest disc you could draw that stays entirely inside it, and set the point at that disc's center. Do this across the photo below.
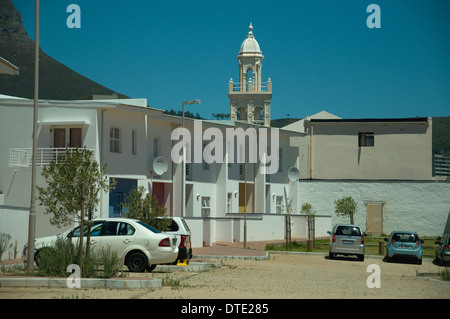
(348, 242)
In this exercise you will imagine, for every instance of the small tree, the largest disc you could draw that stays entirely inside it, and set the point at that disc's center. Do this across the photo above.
(346, 207)
(5, 244)
(146, 208)
(74, 182)
(310, 216)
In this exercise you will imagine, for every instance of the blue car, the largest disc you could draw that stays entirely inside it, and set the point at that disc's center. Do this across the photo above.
(404, 244)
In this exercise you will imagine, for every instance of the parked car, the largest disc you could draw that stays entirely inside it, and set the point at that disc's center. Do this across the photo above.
(347, 240)
(180, 228)
(443, 250)
(404, 244)
(139, 246)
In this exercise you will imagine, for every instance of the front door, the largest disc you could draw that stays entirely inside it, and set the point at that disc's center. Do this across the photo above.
(75, 137)
(374, 218)
(59, 137)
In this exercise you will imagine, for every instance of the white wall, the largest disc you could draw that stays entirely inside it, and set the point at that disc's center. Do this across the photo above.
(417, 206)
(14, 221)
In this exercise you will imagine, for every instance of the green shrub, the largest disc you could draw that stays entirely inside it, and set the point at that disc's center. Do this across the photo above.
(54, 260)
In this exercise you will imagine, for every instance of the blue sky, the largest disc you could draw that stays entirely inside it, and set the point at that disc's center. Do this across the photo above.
(319, 54)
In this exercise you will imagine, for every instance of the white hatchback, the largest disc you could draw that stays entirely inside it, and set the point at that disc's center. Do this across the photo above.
(139, 246)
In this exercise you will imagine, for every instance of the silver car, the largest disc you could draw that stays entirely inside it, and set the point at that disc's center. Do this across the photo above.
(347, 240)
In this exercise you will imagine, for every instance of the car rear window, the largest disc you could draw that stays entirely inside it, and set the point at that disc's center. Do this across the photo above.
(405, 237)
(348, 231)
(173, 226)
(185, 225)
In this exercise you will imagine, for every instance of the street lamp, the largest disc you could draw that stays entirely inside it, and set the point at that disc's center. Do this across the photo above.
(32, 215)
(183, 170)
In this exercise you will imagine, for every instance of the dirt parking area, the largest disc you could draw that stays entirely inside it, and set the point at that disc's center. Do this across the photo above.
(281, 276)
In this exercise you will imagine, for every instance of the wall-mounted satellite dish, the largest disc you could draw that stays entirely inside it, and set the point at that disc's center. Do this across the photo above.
(293, 174)
(160, 165)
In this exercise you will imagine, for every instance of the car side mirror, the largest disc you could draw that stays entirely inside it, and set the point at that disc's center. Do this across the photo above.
(328, 232)
(386, 239)
(437, 242)
(422, 241)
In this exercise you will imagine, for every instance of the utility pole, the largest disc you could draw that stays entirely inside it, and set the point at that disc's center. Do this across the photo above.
(32, 217)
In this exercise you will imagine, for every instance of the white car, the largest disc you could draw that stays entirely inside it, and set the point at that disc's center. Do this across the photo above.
(139, 246)
(180, 228)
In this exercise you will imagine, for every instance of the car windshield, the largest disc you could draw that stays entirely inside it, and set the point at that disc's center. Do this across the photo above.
(153, 229)
(348, 231)
(405, 237)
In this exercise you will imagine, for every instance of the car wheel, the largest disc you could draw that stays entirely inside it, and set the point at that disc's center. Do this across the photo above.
(419, 261)
(361, 257)
(151, 267)
(137, 262)
(331, 255)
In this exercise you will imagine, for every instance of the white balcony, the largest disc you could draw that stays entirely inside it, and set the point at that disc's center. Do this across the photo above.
(22, 157)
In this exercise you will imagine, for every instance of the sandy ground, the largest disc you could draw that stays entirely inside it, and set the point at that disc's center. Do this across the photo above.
(282, 276)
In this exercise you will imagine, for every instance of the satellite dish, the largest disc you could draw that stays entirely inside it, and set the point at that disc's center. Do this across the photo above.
(293, 174)
(160, 165)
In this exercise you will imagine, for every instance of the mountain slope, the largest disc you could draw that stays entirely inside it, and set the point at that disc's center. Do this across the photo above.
(56, 81)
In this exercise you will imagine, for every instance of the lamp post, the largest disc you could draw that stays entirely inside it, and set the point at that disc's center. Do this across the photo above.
(183, 170)
(32, 217)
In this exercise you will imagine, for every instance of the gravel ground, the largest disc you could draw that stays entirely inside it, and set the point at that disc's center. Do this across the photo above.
(284, 276)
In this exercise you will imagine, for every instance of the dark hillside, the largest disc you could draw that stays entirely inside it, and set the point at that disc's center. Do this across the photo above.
(56, 81)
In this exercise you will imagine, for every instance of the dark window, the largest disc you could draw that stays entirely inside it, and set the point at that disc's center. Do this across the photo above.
(348, 231)
(366, 139)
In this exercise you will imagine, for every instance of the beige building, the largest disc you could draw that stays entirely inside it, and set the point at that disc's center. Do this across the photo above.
(370, 149)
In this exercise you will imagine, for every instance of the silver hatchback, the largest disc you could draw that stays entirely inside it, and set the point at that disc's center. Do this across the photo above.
(347, 240)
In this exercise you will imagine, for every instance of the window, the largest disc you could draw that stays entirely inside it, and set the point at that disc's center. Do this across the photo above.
(280, 160)
(366, 139)
(206, 206)
(118, 229)
(229, 202)
(205, 165)
(155, 147)
(95, 230)
(114, 140)
(134, 142)
(279, 204)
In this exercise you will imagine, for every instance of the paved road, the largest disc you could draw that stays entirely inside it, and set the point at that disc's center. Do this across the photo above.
(282, 276)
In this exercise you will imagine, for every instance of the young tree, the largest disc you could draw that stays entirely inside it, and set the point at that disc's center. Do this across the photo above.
(74, 182)
(346, 207)
(310, 216)
(146, 208)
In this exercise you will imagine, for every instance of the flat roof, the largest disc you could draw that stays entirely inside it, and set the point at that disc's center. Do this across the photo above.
(380, 120)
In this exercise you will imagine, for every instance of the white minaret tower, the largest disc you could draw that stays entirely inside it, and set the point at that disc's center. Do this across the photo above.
(250, 98)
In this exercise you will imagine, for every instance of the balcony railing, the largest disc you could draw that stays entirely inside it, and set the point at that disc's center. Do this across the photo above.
(250, 87)
(22, 157)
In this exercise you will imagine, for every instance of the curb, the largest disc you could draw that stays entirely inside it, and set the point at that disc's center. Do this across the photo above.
(114, 283)
(84, 283)
(233, 257)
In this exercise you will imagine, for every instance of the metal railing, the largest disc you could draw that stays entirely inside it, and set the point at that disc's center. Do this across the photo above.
(250, 87)
(22, 157)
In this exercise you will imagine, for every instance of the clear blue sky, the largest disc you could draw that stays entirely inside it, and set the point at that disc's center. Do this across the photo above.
(319, 54)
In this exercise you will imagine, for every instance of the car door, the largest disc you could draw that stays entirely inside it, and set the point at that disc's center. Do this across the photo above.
(119, 236)
(95, 239)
